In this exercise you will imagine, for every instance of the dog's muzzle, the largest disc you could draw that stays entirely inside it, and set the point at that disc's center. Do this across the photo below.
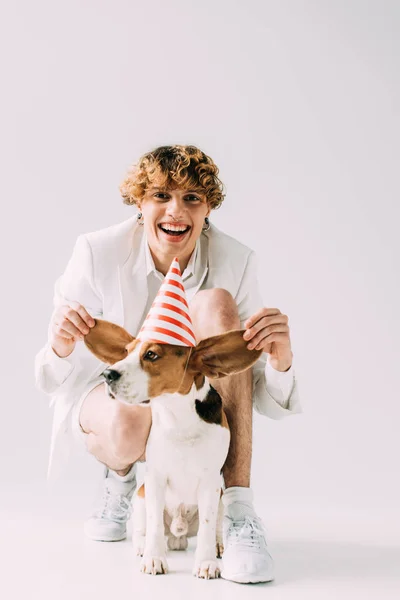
(110, 375)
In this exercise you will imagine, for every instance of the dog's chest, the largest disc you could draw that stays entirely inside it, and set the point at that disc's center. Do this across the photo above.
(184, 448)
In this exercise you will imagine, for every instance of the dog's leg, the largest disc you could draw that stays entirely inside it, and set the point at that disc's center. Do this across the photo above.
(219, 550)
(154, 559)
(206, 565)
(139, 522)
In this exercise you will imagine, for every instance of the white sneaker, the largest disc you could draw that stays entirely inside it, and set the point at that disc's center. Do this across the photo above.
(246, 558)
(108, 522)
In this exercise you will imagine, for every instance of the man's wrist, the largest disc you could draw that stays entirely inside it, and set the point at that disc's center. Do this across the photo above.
(281, 366)
(61, 353)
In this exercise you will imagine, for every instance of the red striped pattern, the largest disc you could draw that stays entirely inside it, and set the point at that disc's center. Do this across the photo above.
(175, 322)
(172, 334)
(175, 309)
(166, 329)
(175, 283)
(176, 296)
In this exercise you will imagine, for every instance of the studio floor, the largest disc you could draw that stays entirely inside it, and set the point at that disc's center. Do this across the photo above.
(45, 555)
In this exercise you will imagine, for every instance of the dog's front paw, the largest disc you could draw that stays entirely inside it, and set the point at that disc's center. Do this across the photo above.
(206, 569)
(154, 565)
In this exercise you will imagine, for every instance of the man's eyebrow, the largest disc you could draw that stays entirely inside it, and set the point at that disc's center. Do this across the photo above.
(196, 190)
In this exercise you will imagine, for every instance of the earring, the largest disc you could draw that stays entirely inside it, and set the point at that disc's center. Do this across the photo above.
(138, 217)
(207, 223)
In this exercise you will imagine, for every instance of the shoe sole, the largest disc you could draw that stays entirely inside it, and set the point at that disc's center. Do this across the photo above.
(105, 538)
(247, 578)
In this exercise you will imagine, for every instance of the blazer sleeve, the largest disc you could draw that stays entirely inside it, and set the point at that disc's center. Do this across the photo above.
(53, 373)
(275, 394)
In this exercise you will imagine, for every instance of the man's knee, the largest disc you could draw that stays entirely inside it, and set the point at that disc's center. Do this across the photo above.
(214, 311)
(129, 433)
(119, 439)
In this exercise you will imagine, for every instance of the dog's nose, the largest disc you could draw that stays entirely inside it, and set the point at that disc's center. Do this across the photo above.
(111, 375)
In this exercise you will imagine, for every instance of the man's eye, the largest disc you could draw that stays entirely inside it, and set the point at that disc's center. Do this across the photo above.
(190, 197)
(151, 356)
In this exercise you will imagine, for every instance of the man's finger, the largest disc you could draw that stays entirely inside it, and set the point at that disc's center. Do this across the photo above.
(83, 313)
(263, 312)
(266, 333)
(264, 323)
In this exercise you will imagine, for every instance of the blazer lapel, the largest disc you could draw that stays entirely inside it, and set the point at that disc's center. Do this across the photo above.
(133, 286)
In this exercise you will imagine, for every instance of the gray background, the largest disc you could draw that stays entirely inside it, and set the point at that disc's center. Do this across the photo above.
(298, 104)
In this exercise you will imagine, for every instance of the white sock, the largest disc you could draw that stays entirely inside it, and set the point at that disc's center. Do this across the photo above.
(238, 502)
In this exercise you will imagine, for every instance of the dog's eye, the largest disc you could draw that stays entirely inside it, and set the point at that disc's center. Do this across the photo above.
(150, 356)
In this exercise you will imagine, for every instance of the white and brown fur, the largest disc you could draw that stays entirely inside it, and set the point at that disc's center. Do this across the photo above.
(188, 442)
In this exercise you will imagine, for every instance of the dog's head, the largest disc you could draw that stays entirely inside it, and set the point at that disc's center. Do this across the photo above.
(142, 370)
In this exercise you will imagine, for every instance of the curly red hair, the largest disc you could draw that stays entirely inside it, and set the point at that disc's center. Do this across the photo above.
(185, 167)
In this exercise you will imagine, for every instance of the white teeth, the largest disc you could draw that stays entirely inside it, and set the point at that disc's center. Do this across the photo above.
(170, 227)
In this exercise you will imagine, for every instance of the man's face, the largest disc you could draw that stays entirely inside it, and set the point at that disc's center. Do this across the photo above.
(173, 220)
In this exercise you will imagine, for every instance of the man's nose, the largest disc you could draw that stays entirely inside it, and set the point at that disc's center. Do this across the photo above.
(111, 375)
(176, 208)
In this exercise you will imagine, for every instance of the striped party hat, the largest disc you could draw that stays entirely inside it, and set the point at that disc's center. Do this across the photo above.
(168, 321)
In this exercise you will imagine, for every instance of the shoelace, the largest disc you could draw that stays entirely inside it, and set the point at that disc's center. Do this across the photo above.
(249, 532)
(115, 507)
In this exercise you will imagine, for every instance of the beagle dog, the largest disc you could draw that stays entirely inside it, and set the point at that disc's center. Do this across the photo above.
(188, 441)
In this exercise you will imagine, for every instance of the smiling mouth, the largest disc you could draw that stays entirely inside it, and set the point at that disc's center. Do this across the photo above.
(174, 230)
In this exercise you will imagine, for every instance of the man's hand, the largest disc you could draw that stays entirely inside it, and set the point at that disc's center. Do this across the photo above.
(268, 330)
(69, 323)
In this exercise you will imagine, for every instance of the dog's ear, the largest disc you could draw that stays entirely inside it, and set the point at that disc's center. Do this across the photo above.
(222, 355)
(108, 341)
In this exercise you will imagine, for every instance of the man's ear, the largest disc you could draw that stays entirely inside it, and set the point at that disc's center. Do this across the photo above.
(222, 355)
(108, 341)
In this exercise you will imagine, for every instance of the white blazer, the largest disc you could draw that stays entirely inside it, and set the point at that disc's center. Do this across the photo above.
(107, 275)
